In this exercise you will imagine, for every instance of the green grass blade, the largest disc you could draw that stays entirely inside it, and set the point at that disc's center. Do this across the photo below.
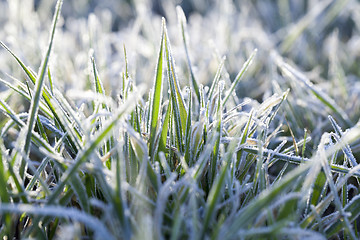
(36, 138)
(180, 113)
(213, 198)
(244, 136)
(119, 203)
(216, 78)
(188, 146)
(46, 95)
(4, 195)
(157, 97)
(353, 208)
(295, 159)
(26, 69)
(51, 84)
(318, 188)
(239, 76)
(99, 88)
(216, 154)
(34, 107)
(164, 130)
(22, 91)
(182, 21)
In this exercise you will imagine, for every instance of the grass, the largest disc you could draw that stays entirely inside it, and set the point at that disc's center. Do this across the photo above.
(260, 144)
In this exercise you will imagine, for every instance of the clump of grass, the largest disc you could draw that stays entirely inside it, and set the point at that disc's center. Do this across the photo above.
(171, 163)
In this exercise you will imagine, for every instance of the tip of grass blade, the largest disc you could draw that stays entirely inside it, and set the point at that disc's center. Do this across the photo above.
(240, 75)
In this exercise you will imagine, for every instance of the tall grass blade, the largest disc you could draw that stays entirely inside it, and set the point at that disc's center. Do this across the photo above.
(216, 154)
(157, 97)
(34, 107)
(180, 114)
(182, 22)
(239, 76)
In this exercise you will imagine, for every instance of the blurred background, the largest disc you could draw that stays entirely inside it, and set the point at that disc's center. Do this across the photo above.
(320, 38)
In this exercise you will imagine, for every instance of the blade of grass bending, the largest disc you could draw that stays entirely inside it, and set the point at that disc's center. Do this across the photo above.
(22, 91)
(39, 169)
(295, 159)
(322, 96)
(157, 97)
(182, 22)
(178, 101)
(34, 106)
(239, 76)
(36, 138)
(27, 71)
(46, 95)
(28, 96)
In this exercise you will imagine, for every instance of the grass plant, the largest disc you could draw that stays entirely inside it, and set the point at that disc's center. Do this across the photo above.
(254, 145)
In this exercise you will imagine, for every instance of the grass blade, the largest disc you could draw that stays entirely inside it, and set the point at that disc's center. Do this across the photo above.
(321, 95)
(157, 97)
(182, 22)
(34, 107)
(179, 110)
(239, 76)
(353, 208)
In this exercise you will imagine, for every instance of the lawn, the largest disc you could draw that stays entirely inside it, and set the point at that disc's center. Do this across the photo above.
(207, 119)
